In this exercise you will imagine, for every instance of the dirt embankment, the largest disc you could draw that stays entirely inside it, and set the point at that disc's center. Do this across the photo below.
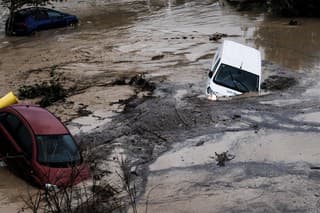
(180, 117)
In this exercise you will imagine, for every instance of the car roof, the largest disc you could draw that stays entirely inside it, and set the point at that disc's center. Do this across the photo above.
(41, 121)
(30, 10)
(241, 56)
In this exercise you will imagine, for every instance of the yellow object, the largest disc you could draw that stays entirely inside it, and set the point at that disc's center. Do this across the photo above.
(7, 100)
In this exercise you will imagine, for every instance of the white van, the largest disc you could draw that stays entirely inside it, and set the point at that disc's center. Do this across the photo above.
(236, 69)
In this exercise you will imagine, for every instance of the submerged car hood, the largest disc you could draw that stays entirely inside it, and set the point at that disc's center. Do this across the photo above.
(62, 177)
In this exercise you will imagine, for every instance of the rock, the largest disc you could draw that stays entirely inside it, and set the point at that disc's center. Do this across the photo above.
(223, 157)
(217, 36)
(157, 57)
(121, 81)
(293, 22)
(236, 117)
(200, 143)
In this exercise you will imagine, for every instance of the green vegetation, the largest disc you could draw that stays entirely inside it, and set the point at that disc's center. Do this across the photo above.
(49, 92)
(309, 8)
(288, 8)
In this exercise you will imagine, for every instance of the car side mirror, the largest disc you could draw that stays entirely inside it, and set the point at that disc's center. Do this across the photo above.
(210, 74)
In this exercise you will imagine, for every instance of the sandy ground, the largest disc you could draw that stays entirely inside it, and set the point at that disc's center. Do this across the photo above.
(271, 172)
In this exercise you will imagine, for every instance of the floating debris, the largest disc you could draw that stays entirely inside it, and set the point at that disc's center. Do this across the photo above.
(120, 81)
(157, 57)
(293, 22)
(141, 82)
(82, 111)
(275, 82)
(315, 167)
(138, 81)
(49, 92)
(223, 157)
(217, 36)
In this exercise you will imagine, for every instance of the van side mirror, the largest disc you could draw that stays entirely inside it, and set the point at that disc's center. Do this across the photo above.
(210, 74)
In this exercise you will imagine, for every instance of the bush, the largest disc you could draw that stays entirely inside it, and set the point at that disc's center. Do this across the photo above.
(49, 92)
(295, 7)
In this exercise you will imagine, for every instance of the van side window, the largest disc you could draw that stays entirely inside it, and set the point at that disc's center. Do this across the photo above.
(216, 65)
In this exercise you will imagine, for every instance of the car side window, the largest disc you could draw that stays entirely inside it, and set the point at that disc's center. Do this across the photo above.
(53, 14)
(25, 140)
(13, 122)
(41, 15)
(19, 133)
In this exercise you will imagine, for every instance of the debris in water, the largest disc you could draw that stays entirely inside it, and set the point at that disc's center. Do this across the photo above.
(124, 102)
(275, 82)
(217, 36)
(236, 117)
(82, 111)
(120, 81)
(157, 57)
(200, 143)
(223, 157)
(49, 92)
(293, 22)
(315, 167)
(138, 81)
(141, 82)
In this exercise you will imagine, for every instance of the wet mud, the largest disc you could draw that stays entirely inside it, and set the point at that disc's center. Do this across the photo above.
(274, 150)
(163, 123)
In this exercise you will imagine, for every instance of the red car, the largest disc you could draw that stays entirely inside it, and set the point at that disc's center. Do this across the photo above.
(39, 148)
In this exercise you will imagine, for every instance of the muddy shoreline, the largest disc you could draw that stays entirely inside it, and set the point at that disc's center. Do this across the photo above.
(152, 126)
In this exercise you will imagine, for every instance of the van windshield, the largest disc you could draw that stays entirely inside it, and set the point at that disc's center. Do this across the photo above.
(236, 79)
(57, 150)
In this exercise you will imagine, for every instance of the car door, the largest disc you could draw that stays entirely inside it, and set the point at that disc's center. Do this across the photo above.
(6, 146)
(42, 19)
(18, 142)
(57, 19)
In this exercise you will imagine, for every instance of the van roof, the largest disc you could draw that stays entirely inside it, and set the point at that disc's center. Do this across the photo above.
(241, 56)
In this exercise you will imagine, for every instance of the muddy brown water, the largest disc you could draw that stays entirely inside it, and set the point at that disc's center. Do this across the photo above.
(119, 38)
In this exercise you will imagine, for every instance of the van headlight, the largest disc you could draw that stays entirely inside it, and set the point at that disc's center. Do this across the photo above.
(211, 95)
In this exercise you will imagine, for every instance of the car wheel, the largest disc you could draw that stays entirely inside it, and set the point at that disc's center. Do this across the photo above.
(32, 33)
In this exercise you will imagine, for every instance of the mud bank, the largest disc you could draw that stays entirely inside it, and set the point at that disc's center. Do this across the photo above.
(274, 142)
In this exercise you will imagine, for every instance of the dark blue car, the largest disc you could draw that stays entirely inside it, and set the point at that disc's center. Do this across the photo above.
(27, 21)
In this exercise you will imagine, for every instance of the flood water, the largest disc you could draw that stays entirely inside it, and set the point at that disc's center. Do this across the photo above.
(120, 37)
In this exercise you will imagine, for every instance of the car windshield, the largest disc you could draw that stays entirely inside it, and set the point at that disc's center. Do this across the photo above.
(57, 150)
(237, 79)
